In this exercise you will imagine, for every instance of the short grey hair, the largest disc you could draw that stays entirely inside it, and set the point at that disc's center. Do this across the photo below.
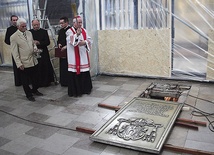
(35, 20)
(20, 21)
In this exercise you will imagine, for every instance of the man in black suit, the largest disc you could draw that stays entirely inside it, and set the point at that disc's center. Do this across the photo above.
(64, 23)
(45, 69)
(11, 30)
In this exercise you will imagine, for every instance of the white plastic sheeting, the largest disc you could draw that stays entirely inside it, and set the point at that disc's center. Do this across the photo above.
(133, 14)
(14, 7)
(192, 20)
(191, 40)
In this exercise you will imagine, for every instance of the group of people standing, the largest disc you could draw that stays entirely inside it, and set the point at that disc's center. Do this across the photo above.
(38, 71)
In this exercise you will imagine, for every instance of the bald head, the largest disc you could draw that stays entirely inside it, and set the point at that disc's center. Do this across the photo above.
(36, 24)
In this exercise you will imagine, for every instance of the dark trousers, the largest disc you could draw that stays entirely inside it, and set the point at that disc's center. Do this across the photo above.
(29, 74)
(17, 77)
(63, 74)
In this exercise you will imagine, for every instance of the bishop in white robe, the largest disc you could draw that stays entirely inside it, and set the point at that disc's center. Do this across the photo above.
(78, 48)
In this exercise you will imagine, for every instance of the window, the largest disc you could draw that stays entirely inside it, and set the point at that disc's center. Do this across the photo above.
(133, 14)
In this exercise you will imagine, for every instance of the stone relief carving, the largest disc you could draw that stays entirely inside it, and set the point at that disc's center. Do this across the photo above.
(135, 129)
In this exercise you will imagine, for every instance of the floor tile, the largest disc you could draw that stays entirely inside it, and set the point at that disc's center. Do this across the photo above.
(61, 119)
(88, 145)
(6, 108)
(14, 130)
(6, 120)
(100, 93)
(122, 92)
(42, 131)
(130, 87)
(24, 110)
(114, 100)
(200, 145)
(37, 151)
(16, 148)
(94, 118)
(79, 151)
(3, 141)
(76, 109)
(27, 140)
(58, 143)
(200, 136)
(108, 88)
(88, 101)
(3, 152)
(37, 117)
(50, 110)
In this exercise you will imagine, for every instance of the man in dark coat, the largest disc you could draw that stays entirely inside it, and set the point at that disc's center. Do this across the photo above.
(11, 30)
(62, 45)
(41, 39)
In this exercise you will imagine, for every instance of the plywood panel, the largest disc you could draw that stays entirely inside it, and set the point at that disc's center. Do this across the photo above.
(5, 50)
(210, 57)
(135, 52)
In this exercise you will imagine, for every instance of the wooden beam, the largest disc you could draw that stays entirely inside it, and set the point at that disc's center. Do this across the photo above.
(183, 124)
(108, 106)
(192, 121)
(85, 130)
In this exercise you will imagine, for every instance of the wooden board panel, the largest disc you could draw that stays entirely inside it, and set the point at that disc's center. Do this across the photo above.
(144, 52)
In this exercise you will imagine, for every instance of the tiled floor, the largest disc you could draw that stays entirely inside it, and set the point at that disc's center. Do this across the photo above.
(22, 123)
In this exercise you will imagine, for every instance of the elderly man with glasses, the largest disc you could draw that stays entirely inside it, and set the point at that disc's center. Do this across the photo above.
(23, 51)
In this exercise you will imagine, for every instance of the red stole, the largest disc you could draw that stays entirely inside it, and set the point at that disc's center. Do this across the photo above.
(76, 51)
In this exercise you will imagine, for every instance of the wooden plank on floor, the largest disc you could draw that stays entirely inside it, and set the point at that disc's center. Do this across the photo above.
(85, 130)
(108, 106)
(192, 121)
(183, 124)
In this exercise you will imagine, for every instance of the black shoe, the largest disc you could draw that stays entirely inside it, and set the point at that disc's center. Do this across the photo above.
(31, 98)
(37, 93)
(88, 93)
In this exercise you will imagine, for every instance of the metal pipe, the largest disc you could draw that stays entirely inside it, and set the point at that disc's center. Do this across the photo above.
(29, 13)
(173, 32)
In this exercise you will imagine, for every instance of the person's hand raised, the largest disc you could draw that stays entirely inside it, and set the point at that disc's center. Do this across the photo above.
(79, 31)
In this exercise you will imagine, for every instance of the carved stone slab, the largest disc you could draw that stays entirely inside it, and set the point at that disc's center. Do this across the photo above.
(142, 124)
